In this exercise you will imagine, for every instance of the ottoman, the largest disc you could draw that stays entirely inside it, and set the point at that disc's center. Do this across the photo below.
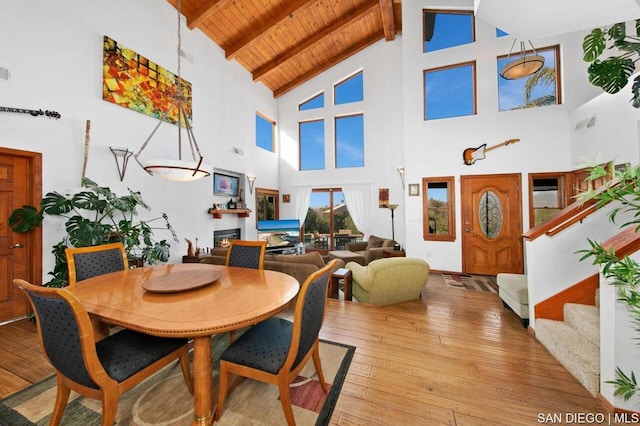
(514, 292)
(346, 256)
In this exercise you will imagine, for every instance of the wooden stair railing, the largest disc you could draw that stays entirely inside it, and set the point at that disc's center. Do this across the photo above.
(566, 217)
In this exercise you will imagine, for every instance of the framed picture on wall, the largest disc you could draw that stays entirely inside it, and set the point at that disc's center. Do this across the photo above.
(383, 197)
(225, 184)
(414, 189)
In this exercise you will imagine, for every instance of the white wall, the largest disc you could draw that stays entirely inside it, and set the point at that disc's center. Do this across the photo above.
(434, 148)
(54, 53)
(382, 109)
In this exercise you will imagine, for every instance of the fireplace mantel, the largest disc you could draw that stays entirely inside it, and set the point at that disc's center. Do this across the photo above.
(217, 213)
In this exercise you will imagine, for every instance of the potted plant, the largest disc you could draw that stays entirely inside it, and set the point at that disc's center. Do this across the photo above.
(612, 74)
(623, 187)
(96, 216)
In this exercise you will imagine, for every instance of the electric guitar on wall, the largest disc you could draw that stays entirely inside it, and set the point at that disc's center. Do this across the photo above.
(471, 155)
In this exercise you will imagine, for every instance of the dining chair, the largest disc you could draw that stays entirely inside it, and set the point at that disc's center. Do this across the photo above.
(246, 254)
(101, 370)
(276, 350)
(87, 262)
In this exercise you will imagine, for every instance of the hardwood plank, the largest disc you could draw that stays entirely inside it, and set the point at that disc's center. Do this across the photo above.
(454, 357)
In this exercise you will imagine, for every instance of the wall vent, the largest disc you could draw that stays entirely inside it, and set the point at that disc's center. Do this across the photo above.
(585, 124)
(5, 75)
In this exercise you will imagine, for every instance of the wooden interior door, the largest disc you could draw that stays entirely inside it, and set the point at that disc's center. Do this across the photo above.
(492, 224)
(20, 253)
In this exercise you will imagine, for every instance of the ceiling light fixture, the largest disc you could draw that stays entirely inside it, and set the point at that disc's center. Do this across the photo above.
(524, 66)
(177, 170)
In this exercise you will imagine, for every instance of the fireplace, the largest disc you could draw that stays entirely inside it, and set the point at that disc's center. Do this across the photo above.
(223, 237)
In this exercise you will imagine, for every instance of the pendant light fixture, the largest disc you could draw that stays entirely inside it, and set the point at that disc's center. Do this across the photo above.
(177, 169)
(524, 66)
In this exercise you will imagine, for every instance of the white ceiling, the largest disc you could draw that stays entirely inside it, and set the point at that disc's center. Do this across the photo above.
(535, 19)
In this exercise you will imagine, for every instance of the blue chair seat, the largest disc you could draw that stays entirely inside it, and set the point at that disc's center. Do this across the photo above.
(263, 347)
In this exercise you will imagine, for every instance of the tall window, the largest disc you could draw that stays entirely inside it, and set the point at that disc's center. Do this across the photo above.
(438, 209)
(328, 225)
(447, 28)
(450, 91)
(349, 90)
(539, 89)
(349, 141)
(311, 136)
(349, 129)
(313, 103)
(265, 132)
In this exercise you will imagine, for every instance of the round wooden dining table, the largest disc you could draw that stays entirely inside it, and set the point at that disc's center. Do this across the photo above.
(189, 300)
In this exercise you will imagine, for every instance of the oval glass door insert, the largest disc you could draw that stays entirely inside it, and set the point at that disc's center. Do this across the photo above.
(490, 214)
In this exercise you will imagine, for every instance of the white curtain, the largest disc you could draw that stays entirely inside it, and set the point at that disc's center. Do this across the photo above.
(358, 197)
(299, 205)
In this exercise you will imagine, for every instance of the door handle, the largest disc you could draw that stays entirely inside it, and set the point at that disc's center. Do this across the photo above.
(15, 246)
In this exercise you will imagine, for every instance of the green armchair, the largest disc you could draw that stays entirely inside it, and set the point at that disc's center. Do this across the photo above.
(390, 280)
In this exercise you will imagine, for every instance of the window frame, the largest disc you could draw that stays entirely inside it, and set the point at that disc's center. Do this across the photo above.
(564, 192)
(558, 68)
(445, 67)
(300, 124)
(451, 222)
(344, 80)
(316, 96)
(273, 131)
(448, 12)
(335, 139)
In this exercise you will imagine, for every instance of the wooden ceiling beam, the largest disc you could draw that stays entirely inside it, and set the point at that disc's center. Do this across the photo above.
(388, 24)
(207, 9)
(259, 31)
(293, 51)
(326, 65)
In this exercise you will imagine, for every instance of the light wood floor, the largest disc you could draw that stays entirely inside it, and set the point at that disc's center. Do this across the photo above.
(455, 357)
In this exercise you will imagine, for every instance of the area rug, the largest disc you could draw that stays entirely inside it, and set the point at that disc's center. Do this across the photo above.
(486, 283)
(164, 399)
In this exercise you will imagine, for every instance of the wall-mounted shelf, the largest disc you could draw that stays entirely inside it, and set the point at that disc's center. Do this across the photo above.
(217, 213)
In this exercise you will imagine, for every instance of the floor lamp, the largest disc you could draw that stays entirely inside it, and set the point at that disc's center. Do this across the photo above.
(392, 207)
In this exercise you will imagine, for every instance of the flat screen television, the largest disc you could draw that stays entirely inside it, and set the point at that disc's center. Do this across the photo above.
(279, 233)
(225, 184)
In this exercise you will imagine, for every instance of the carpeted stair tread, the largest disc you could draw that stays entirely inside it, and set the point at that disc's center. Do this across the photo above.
(577, 354)
(585, 319)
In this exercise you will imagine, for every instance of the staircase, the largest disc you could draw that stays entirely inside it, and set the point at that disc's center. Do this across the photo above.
(575, 342)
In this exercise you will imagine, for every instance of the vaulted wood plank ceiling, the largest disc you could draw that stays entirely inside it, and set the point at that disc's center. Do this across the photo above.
(284, 43)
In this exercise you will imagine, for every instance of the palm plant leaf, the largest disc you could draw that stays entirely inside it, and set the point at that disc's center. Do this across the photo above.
(635, 90)
(593, 45)
(25, 219)
(89, 201)
(545, 76)
(612, 74)
(55, 203)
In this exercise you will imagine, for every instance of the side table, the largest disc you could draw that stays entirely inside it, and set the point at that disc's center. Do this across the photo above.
(340, 274)
(394, 253)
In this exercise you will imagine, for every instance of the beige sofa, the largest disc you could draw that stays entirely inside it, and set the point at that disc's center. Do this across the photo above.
(388, 281)
(371, 249)
(298, 266)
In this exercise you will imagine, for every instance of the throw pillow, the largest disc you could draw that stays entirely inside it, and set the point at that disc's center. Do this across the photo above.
(375, 242)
